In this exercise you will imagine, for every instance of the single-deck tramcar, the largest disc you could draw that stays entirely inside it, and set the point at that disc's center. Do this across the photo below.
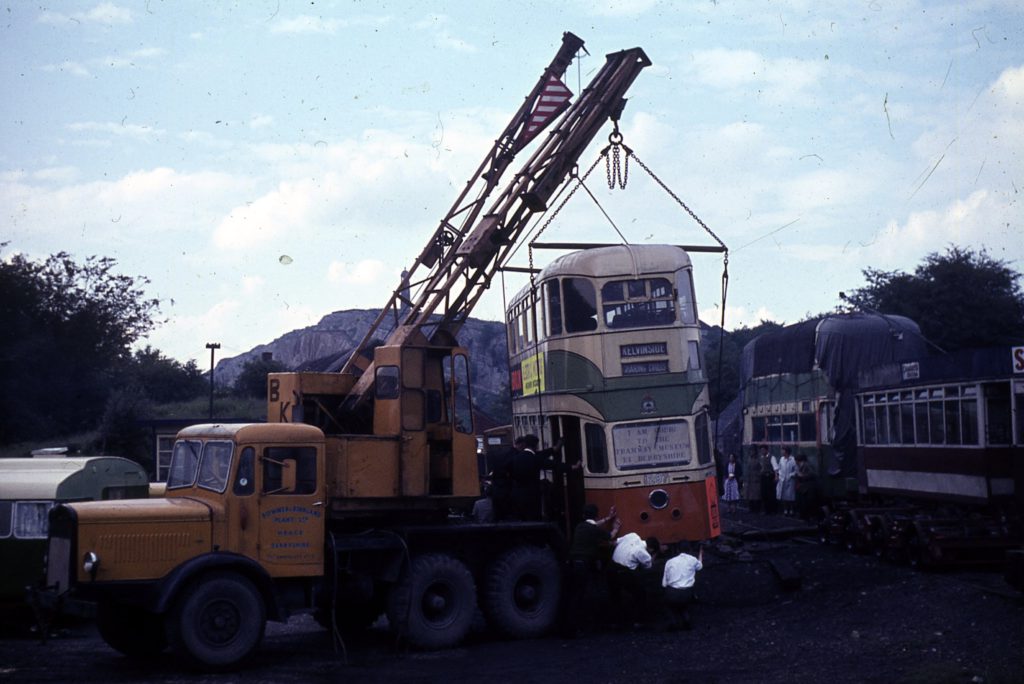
(605, 355)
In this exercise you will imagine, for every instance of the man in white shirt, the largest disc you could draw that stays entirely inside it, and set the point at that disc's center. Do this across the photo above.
(678, 580)
(631, 552)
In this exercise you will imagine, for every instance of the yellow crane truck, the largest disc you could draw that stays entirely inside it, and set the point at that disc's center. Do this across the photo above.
(340, 504)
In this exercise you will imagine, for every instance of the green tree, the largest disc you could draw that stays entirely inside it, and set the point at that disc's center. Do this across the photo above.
(724, 386)
(66, 330)
(252, 381)
(164, 379)
(961, 299)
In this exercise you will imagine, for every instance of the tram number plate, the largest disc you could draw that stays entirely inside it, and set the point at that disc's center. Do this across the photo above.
(655, 478)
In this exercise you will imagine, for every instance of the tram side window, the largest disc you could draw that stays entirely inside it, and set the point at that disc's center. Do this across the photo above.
(554, 298)
(580, 305)
(637, 303)
(6, 516)
(1019, 399)
(597, 448)
(703, 440)
(997, 409)
(687, 302)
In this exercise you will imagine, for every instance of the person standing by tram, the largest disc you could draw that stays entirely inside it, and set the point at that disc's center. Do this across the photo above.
(769, 477)
(524, 473)
(752, 481)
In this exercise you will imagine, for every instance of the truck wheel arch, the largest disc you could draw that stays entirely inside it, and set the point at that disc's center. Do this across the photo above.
(182, 576)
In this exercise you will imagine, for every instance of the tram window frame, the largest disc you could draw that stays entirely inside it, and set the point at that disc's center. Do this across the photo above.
(807, 426)
(637, 303)
(907, 422)
(686, 299)
(952, 419)
(759, 428)
(579, 309)
(998, 396)
(693, 359)
(553, 294)
(596, 448)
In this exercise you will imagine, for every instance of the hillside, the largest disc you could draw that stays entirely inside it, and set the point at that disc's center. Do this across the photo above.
(326, 345)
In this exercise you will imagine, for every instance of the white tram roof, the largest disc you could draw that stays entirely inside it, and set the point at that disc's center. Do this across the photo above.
(622, 261)
(41, 478)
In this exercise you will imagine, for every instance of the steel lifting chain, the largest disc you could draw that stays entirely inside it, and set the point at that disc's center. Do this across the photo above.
(616, 171)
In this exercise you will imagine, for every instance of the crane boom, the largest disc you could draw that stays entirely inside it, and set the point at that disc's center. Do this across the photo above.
(464, 263)
(464, 211)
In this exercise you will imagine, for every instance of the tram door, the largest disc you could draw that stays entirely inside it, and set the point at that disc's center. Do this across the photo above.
(566, 498)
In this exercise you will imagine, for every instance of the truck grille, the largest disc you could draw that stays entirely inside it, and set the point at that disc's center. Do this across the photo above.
(61, 548)
(58, 564)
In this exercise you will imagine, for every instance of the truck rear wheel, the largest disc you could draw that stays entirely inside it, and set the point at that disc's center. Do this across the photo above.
(522, 591)
(434, 604)
(132, 631)
(219, 621)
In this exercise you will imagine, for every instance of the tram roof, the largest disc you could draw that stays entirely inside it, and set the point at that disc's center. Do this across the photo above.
(840, 345)
(615, 261)
(990, 363)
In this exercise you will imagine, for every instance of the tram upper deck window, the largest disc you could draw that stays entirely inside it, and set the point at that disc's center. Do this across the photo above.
(685, 297)
(580, 305)
(554, 299)
(638, 303)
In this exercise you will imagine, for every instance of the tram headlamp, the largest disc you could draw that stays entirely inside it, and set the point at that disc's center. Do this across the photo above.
(658, 499)
(90, 562)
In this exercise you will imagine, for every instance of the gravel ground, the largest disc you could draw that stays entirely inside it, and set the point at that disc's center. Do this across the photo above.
(852, 619)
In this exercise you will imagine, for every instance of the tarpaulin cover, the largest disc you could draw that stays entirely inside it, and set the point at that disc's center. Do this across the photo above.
(841, 346)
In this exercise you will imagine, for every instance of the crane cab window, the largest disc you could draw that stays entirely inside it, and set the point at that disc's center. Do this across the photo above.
(289, 470)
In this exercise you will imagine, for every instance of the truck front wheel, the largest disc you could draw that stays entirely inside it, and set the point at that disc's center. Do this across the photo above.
(434, 604)
(132, 631)
(522, 592)
(219, 621)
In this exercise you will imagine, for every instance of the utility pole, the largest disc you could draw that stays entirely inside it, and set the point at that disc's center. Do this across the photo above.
(212, 346)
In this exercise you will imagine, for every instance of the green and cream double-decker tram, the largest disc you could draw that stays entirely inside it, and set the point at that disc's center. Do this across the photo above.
(605, 354)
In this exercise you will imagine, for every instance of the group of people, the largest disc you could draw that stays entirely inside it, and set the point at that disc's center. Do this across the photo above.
(771, 483)
(514, 488)
(645, 581)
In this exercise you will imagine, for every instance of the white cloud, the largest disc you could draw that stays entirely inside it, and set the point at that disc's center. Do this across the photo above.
(135, 131)
(438, 25)
(618, 8)
(104, 13)
(131, 59)
(365, 272)
(780, 79)
(736, 316)
(57, 174)
(308, 24)
(67, 67)
(258, 121)
(981, 220)
(252, 284)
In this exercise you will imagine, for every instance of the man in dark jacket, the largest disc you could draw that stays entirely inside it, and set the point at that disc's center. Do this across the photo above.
(524, 470)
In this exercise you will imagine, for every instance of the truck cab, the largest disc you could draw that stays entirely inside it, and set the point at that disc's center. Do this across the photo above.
(244, 506)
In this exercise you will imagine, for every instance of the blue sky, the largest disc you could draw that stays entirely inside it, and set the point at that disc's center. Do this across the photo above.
(199, 142)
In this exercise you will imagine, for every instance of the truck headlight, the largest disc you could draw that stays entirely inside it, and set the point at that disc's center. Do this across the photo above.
(90, 562)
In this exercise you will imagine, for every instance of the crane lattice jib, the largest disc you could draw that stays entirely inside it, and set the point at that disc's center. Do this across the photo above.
(466, 265)
(466, 208)
(473, 263)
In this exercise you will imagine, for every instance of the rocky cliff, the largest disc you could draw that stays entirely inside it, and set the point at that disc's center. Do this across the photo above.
(327, 345)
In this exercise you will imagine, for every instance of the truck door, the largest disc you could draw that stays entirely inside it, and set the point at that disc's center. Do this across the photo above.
(291, 515)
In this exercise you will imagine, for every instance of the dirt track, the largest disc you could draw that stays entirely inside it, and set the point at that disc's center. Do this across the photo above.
(854, 619)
